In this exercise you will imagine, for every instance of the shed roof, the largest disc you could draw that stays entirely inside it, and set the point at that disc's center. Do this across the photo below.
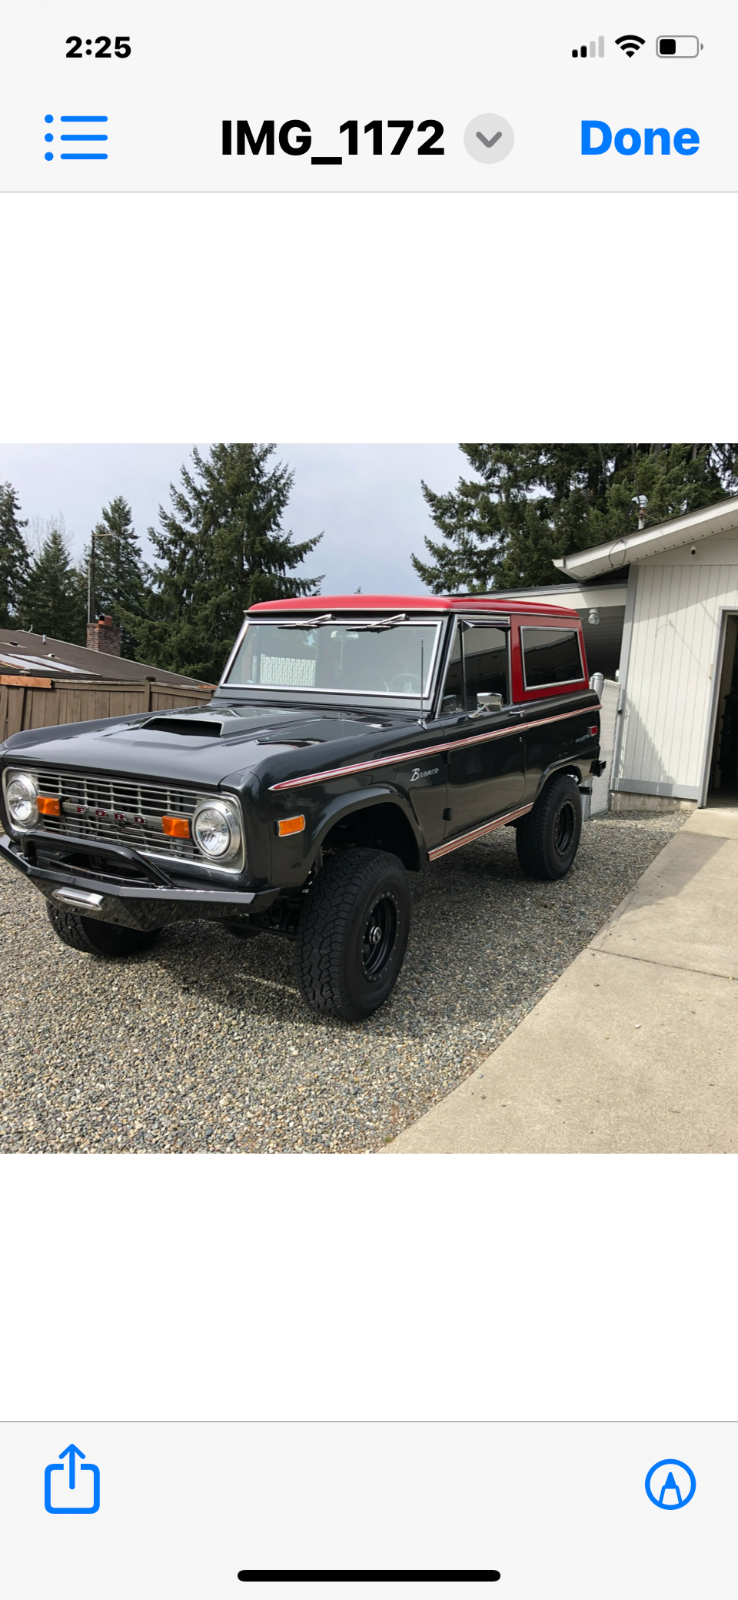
(720, 518)
(36, 653)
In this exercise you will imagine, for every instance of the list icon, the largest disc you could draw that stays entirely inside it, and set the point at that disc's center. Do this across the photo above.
(82, 137)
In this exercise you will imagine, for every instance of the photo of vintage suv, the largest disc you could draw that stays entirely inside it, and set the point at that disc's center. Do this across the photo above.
(352, 740)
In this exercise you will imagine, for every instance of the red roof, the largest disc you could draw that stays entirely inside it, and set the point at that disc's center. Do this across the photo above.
(403, 602)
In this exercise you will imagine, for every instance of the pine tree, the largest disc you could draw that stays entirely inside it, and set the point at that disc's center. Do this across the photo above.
(120, 575)
(531, 503)
(221, 548)
(53, 599)
(14, 564)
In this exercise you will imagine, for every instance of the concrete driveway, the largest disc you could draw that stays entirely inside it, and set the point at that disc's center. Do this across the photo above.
(635, 1047)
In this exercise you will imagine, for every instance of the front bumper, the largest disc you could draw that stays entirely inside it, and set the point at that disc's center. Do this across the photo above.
(151, 901)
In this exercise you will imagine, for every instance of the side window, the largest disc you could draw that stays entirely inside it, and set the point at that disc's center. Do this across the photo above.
(550, 655)
(485, 664)
(453, 689)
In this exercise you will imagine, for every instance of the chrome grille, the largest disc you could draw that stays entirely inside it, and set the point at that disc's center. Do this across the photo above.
(119, 810)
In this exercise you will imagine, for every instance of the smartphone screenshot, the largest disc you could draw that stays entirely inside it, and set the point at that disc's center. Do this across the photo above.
(368, 800)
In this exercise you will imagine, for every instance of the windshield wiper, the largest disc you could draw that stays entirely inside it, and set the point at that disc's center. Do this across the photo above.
(379, 624)
(312, 622)
(355, 627)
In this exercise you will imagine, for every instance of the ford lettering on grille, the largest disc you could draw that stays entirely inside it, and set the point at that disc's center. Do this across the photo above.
(118, 810)
(123, 818)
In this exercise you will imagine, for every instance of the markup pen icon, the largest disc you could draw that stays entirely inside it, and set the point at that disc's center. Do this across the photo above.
(666, 1491)
(74, 1492)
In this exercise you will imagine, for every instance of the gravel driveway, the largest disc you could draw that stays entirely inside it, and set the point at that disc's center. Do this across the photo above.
(202, 1043)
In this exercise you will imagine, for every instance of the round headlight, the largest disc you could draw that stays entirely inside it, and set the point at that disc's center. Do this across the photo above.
(216, 831)
(20, 797)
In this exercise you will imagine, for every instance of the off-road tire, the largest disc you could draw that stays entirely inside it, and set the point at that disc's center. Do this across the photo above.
(355, 893)
(97, 938)
(548, 838)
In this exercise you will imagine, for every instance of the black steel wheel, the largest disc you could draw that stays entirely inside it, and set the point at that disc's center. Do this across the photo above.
(564, 829)
(97, 938)
(547, 838)
(353, 933)
(378, 940)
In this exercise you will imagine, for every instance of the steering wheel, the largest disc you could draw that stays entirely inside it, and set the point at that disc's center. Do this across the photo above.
(405, 683)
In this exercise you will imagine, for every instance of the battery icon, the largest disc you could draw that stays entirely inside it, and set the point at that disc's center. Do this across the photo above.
(678, 46)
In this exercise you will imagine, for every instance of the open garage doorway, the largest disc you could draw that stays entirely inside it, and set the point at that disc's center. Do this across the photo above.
(723, 774)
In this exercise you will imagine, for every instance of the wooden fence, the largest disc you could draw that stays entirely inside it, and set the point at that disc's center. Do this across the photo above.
(47, 702)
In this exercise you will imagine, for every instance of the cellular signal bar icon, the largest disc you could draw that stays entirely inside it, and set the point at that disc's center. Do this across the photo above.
(592, 49)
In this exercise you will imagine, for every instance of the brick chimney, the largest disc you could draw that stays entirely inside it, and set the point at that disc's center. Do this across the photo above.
(104, 635)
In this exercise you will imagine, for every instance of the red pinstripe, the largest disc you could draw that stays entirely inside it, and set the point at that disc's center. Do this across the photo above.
(477, 833)
(429, 750)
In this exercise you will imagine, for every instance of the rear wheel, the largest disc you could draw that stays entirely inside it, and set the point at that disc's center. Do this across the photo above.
(97, 938)
(548, 838)
(353, 934)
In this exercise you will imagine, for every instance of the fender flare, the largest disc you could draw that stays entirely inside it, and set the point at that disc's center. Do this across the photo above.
(553, 771)
(345, 805)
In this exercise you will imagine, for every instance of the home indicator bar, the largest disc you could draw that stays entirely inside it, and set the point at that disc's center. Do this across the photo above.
(369, 1575)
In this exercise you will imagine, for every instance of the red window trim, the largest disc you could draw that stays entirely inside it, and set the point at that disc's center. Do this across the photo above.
(523, 696)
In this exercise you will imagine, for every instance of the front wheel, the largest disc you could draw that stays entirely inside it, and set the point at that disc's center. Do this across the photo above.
(97, 938)
(353, 934)
(548, 838)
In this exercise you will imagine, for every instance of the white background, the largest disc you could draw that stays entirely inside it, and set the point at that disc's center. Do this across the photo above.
(547, 1287)
(367, 317)
(331, 1286)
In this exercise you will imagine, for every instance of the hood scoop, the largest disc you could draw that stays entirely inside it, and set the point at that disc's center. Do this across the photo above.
(200, 729)
(197, 722)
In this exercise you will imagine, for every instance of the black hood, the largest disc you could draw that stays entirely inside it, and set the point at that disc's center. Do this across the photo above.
(196, 744)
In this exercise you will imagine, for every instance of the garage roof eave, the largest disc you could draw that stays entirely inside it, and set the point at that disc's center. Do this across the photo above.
(720, 518)
(576, 596)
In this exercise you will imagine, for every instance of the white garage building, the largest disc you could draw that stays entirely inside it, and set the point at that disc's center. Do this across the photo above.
(676, 734)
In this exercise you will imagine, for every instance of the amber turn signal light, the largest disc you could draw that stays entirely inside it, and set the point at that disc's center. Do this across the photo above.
(176, 827)
(48, 806)
(290, 825)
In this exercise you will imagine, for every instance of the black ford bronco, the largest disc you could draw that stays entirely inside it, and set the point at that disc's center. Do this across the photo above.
(351, 739)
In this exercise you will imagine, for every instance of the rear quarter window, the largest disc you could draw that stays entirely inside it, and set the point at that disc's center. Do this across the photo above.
(550, 656)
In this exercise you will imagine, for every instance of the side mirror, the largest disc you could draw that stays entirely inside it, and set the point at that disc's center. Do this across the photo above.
(487, 702)
(597, 683)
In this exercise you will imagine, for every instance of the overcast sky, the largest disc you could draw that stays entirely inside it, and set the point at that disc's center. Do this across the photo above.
(365, 499)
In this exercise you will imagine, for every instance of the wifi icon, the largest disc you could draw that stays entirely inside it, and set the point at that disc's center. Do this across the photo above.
(629, 43)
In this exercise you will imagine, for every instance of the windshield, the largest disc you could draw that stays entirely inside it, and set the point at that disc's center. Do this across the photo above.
(382, 658)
